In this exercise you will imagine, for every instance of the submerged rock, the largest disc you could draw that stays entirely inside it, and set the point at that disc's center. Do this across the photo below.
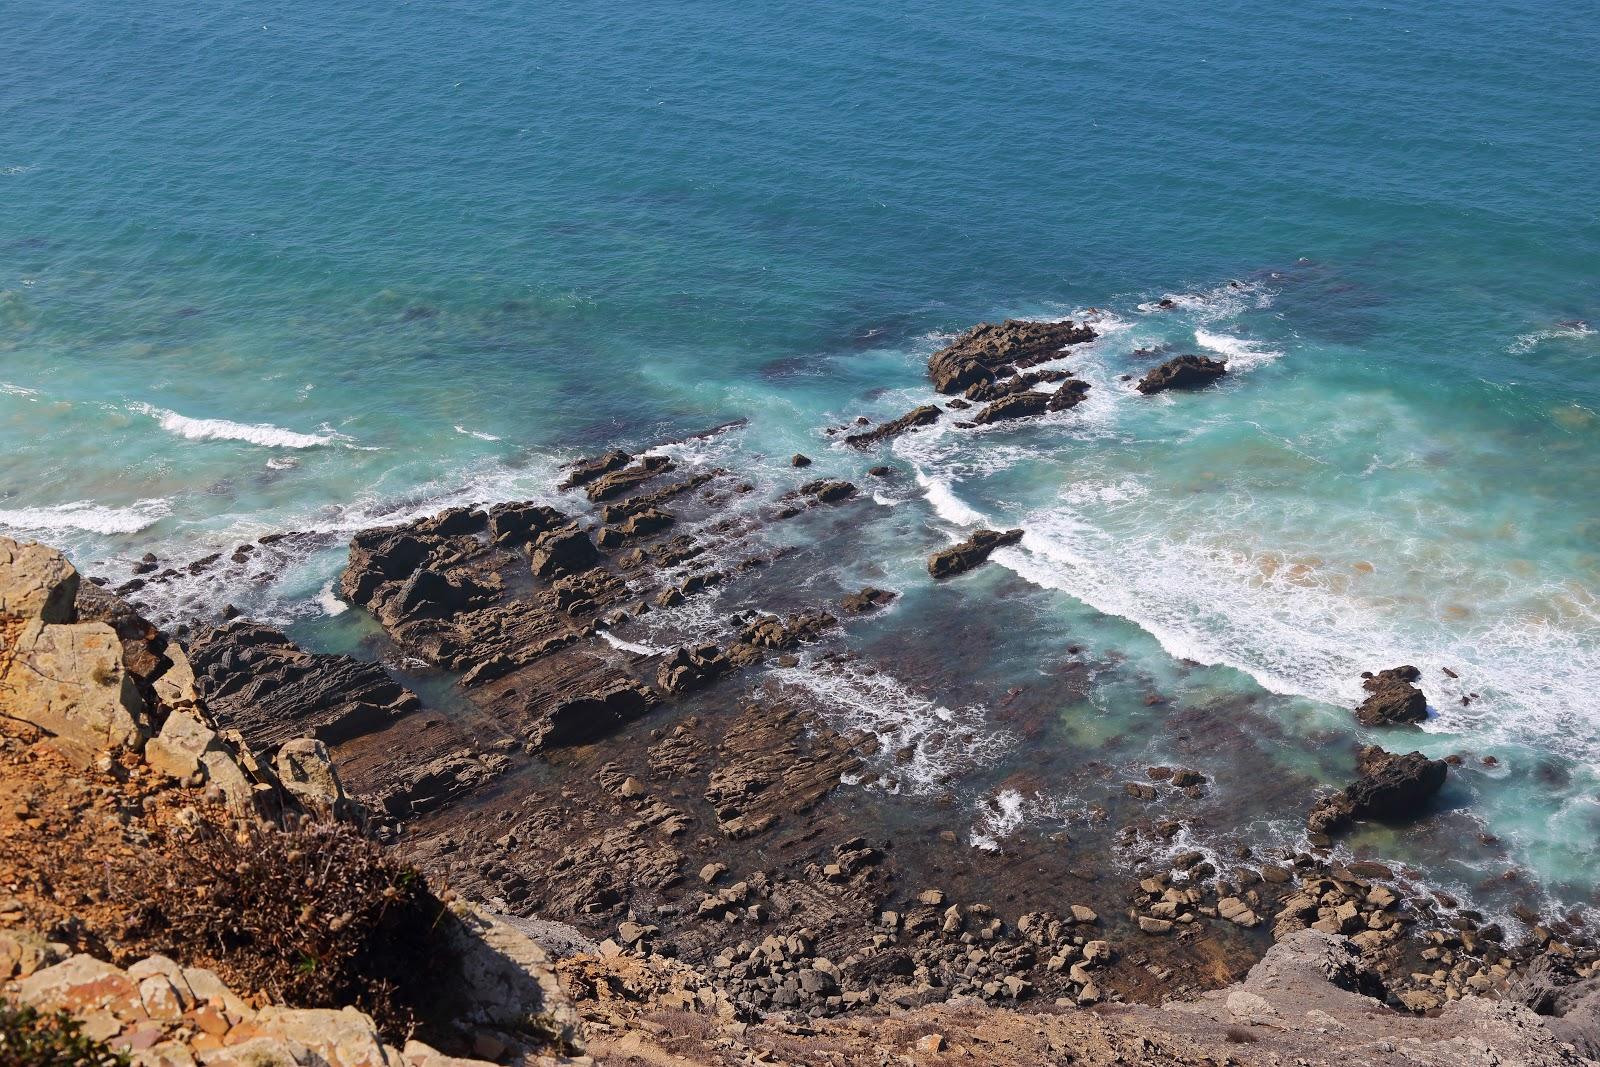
(1394, 698)
(958, 559)
(1182, 372)
(1390, 787)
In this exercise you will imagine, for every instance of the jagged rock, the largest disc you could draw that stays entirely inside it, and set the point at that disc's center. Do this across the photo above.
(970, 553)
(561, 552)
(977, 355)
(1394, 698)
(516, 524)
(868, 599)
(800, 460)
(254, 679)
(593, 715)
(65, 677)
(1182, 372)
(1016, 406)
(925, 415)
(1391, 787)
(827, 492)
(622, 480)
(585, 471)
(307, 772)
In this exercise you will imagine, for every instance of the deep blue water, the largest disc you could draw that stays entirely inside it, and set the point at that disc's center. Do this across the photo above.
(275, 265)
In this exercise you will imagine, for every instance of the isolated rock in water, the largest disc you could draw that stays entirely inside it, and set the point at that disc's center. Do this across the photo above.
(922, 416)
(1182, 372)
(1016, 406)
(968, 554)
(868, 599)
(1390, 787)
(979, 354)
(65, 677)
(800, 459)
(1394, 698)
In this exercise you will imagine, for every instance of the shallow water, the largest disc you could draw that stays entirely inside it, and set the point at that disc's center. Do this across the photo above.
(266, 268)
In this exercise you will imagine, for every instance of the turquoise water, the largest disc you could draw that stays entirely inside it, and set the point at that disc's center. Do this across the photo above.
(271, 267)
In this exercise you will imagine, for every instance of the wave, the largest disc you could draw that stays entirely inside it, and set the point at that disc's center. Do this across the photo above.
(479, 434)
(1241, 353)
(922, 745)
(88, 516)
(7, 389)
(262, 434)
(1565, 331)
(1220, 302)
(948, 506)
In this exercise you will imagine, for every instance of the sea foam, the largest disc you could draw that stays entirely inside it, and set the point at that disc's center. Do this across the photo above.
(88, 516)
(262, 434)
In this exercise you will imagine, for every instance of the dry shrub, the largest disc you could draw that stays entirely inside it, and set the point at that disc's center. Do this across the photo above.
(1238, 1035)
(30, 1039)
(314, 915)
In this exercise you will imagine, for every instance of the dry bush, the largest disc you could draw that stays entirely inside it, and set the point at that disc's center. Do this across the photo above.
(314, 916)
(30, 1039)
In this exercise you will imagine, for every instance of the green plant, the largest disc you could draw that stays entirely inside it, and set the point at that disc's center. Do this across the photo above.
(31, 1039)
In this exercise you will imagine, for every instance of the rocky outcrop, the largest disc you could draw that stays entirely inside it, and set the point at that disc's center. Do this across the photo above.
(1390, 787)
(988, 351)
(1028, 403)
(925, 415)
(255, 680)
(1182, 372)
(958, 559)
(868, 599)
(1394, 699)
(57, 672)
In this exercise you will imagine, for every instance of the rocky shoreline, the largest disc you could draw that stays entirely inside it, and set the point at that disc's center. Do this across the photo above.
(682, 807)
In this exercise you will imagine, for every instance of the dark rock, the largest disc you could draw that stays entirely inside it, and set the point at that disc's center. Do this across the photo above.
(617, 482)
(1016, 406)
(255, 680)
(868, 599)
(980, 353)
(560, 552)
(881, 471)
(1394, 698)
(800, 460)
(970, 553)
(1182, 372)
(1391, 787)
(518, 524)
(593, 715)
(828, 492)
(585, 471)
(922, 416)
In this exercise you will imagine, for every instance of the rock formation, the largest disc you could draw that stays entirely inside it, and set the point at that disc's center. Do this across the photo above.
(1182, 372)
(1390, 787)
(989, 351)
(960, 558)
(1394, 699)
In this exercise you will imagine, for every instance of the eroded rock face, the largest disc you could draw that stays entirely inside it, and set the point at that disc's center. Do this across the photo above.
(1390, 787)
(1394, 698)
(255, 680)
(65, 676)
(958, 559)
(983, 352)
(1182, 372)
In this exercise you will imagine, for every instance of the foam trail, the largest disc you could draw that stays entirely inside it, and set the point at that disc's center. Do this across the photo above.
(628, 646)
(329, 602)
(1240, 353)
(480, 435)
(7, 389)
(262, 434)
(88, 516)
(1566, 331)
(947, 505)
(941, 742)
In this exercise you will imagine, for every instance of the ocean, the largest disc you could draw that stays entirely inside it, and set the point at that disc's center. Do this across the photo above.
(270, 267)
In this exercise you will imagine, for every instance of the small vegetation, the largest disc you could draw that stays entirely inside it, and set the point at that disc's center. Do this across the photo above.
(314, 915)
(30, 1039)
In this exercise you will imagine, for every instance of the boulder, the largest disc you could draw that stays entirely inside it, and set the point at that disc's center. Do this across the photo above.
(983, 351)
(960, 558)
(307, 773)
(36, 582)
(868, 599)
(1390, 787)
(559, 552)
(1394, 699)
(1182, 372)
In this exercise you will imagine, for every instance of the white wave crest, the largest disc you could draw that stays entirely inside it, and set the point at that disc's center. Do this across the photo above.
(479, 434)
(1005, 812)
(262, 434)
(88, 516)
(1241, 353)
(7, 389)
(948, 506)
(1566, 331)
